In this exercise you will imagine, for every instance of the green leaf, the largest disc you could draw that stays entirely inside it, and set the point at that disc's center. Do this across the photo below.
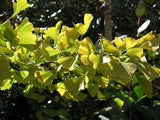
(145, 84)
(119, 102)
(148, 41)
(109, 47)
(138, 91)
(45, 76)
(7, 84)
(96, 60)
(20, 76)
(86, 46)
(63, 91)
(68, 37)
(129, 42)
(149, 71)
(25, 26)
(135, 53)
(19, 6)
(93, 89)
(75, 85)
(53, 32)
(85, 59)
(25, 34)
(4, 67)
(47, 50)
(9, 34)
(117, 70)
(119, 43)
(66, 62)
(82, 28)
(140, 10)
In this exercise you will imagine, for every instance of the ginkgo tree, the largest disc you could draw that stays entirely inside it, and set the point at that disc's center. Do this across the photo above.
(37, 58)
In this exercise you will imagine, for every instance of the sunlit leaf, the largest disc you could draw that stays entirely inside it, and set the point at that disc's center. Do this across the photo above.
(82, 28)
(66, 61)
(129, 42)
(109, 47)
(143, 26)
(62, 90)
(149, 71)
(119, 70)
(119, 43)
(4, 67)
(135, 52)
(68, 37)
(19, 6)
(7, 84)
(86, 46)
(45, 76)
(148, 41)
(47, 50)
(96, 60)
(85, 59)
(53, 32)
(119, 102)
(25, 34)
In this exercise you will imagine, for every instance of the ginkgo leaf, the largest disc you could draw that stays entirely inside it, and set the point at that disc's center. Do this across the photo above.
(66, 61)
(48, 51)
(93, 89)
(148, 41)
(109, 47)
(129, 42)
(145, 84)
(46, 77)
(85, 59)
(74, 85)
(62, 90)
(9, 33)
(119, 43)
(82, 28)
(135, 52)
(117, 70)
(96, 60)
(86, 46)
(4, 67)
(19, 6)
(25, 26)
(68, 37)
(53, 32)
(149, 71)
(25, 34)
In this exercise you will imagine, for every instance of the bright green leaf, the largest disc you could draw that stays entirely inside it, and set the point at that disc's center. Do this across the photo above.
(19, 6)
(129, 42)
(68, 37)
(96, 60)
(135, 53)
(119, 102)
(138, 91)
(85, 59)
(53, 32)
(66, 61)
(149, 71)
(82, 28)
(48, 51)
(109, 47)
(119, 70)
(45, 76)
(86, 46)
